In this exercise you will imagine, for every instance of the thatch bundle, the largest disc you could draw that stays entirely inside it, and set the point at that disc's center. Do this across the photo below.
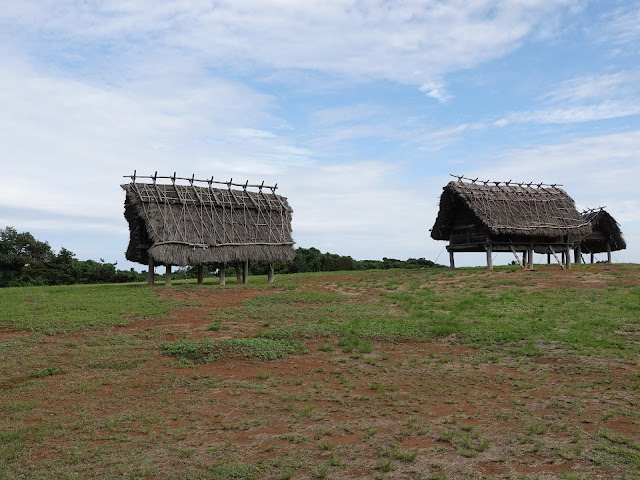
(605, 229)
(508, 209)
(192, 225)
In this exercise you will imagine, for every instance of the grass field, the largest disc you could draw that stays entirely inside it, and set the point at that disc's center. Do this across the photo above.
(423, 374)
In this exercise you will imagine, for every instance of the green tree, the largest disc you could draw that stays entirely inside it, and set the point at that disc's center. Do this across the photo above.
(23, 259)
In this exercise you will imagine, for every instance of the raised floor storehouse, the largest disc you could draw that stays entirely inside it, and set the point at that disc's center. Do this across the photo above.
(484, 216)
(186, 221)
(605, 235)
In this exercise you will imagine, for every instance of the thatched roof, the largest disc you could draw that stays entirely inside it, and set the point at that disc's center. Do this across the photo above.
(193, 225)
(509, 209)
(605, 227)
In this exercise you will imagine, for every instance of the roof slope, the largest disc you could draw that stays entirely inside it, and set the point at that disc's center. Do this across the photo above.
(192, 225)
(509, 209)
(603, 221)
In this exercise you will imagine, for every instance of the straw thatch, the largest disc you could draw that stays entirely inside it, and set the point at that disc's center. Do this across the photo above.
(605, 230)
(192, 225)
(507, 211)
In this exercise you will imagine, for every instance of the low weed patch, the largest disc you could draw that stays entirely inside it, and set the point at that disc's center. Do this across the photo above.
(47, 372)
(208, 350)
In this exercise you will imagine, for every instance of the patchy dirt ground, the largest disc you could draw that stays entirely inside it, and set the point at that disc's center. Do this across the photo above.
(417, 410)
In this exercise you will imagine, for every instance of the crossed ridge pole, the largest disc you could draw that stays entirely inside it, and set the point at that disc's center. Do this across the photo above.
(591, 210)
(208, 181)
(508, 183)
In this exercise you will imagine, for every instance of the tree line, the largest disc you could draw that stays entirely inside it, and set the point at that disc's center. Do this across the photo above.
(25, 261)
(313, 260)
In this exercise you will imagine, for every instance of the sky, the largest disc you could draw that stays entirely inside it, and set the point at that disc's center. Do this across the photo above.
(358, 109)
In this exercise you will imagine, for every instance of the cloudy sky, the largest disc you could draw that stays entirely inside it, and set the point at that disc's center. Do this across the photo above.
(358, 109)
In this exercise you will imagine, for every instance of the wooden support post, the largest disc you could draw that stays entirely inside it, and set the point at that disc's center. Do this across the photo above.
(245, 272)
(577, 258)
(592, 257)
(489, 256)
(167, 275)
(200, 274)
(238, 273)
(452, 263)
(151, 273)
(525, 259)
(223, 274)
(271, 274)
(608, 252)
(548, 259)
(567, 252)
(530, 257)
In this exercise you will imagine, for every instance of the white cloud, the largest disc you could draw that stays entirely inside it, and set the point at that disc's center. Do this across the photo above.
(438, 138)
(409, 41)
(66, 143)
(574, 114)
(436, 90)
(595, 87)
(622, 26)
(585, 99)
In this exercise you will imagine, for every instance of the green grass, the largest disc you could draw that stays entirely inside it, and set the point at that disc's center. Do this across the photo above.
(73, 308)
(572, 318)
(489, 311)
(382, 374)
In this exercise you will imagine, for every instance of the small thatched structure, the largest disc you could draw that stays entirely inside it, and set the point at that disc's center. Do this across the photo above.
(188, 224)
(507, 217)
(604, 237)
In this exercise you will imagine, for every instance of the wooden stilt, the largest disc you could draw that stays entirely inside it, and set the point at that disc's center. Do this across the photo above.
(592, 257)
(245, 272)
(608, 252)
(238, 273)
(578, 254)
(223, 274)
(489, 257)
(167, 275)
(200, 274)
(271, 274)
(525, 259)
(530, 258)
(151, 273)
(567, 254)
(452, 263)
(548, 259)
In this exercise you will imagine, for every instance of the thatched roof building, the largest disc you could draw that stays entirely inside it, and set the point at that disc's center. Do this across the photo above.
(605, 235)
(188, 224)
(503, 216)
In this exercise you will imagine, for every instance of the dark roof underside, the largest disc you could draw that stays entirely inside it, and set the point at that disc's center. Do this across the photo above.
(604, 225)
